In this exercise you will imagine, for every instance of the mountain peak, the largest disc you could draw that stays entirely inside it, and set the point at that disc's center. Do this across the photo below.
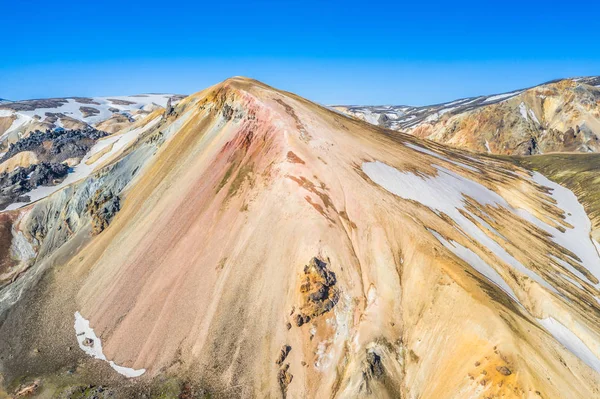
(254, 239)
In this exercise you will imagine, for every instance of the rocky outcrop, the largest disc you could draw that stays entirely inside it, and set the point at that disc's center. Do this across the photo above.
(89, 111)
(16, 184)
(169, 108)
(284, 377)
(56, 145)
(372, 370)
(285, 350)
(102, 207)
(118, 101)
(318, 291)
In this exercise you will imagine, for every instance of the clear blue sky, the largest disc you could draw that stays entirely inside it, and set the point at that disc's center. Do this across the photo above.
(334, 52)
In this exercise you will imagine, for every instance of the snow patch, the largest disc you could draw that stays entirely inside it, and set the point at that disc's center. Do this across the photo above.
(501, 96)
(577, 239)
(477, 263)
(487, 147)
(90, 343)
(20, 121)
(571, 341)
(438, 156)
(371, 117)
(523, 110)
(533, 117)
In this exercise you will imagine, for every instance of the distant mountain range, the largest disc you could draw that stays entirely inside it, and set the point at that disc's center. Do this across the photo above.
(18, 118)
(557, 116)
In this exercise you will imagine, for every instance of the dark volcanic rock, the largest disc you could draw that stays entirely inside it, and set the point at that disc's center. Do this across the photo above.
(374, 365)
(169, 107)
(56, 146)
(503, 370)
(285, 350)
(32, 105)
(285, 378)
(85, 100)
(372, 369)
(120, 102)
(89, 111)
(14, 185)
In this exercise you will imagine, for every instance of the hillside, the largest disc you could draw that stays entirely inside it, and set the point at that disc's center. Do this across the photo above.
(250, 243)
(19, 118)
(560, 116)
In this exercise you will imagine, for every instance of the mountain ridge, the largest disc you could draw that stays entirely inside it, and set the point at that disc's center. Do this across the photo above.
(112, 113)
(453, 122)
(250, 242)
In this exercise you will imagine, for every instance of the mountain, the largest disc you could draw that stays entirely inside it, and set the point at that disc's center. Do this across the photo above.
(19, 118)
(251, 243)
(559, 116)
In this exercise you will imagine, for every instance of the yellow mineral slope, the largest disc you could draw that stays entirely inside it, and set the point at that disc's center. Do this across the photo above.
(271, 247)
(20, 160)
(555, 117)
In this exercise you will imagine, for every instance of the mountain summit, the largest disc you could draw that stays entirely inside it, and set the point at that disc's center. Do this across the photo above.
(250, 243)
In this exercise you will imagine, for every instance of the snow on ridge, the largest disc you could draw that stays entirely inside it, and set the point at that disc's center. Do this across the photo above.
(533, 117)
(461, 100)
(477, 263)
(438, 156)
(446, 110)
(577, 239)
(445, 193)
(502, 96)
(91, 344)
(571, 341)
(20, 120)
(371, 117)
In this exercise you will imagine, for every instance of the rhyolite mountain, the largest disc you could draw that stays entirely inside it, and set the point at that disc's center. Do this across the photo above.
(250, 243)
(559, 116)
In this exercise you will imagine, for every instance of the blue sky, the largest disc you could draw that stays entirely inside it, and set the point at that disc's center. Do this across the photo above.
(334, 52)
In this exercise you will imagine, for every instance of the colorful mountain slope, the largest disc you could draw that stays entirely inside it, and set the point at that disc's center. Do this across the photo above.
(561, 116)
(250, 243)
